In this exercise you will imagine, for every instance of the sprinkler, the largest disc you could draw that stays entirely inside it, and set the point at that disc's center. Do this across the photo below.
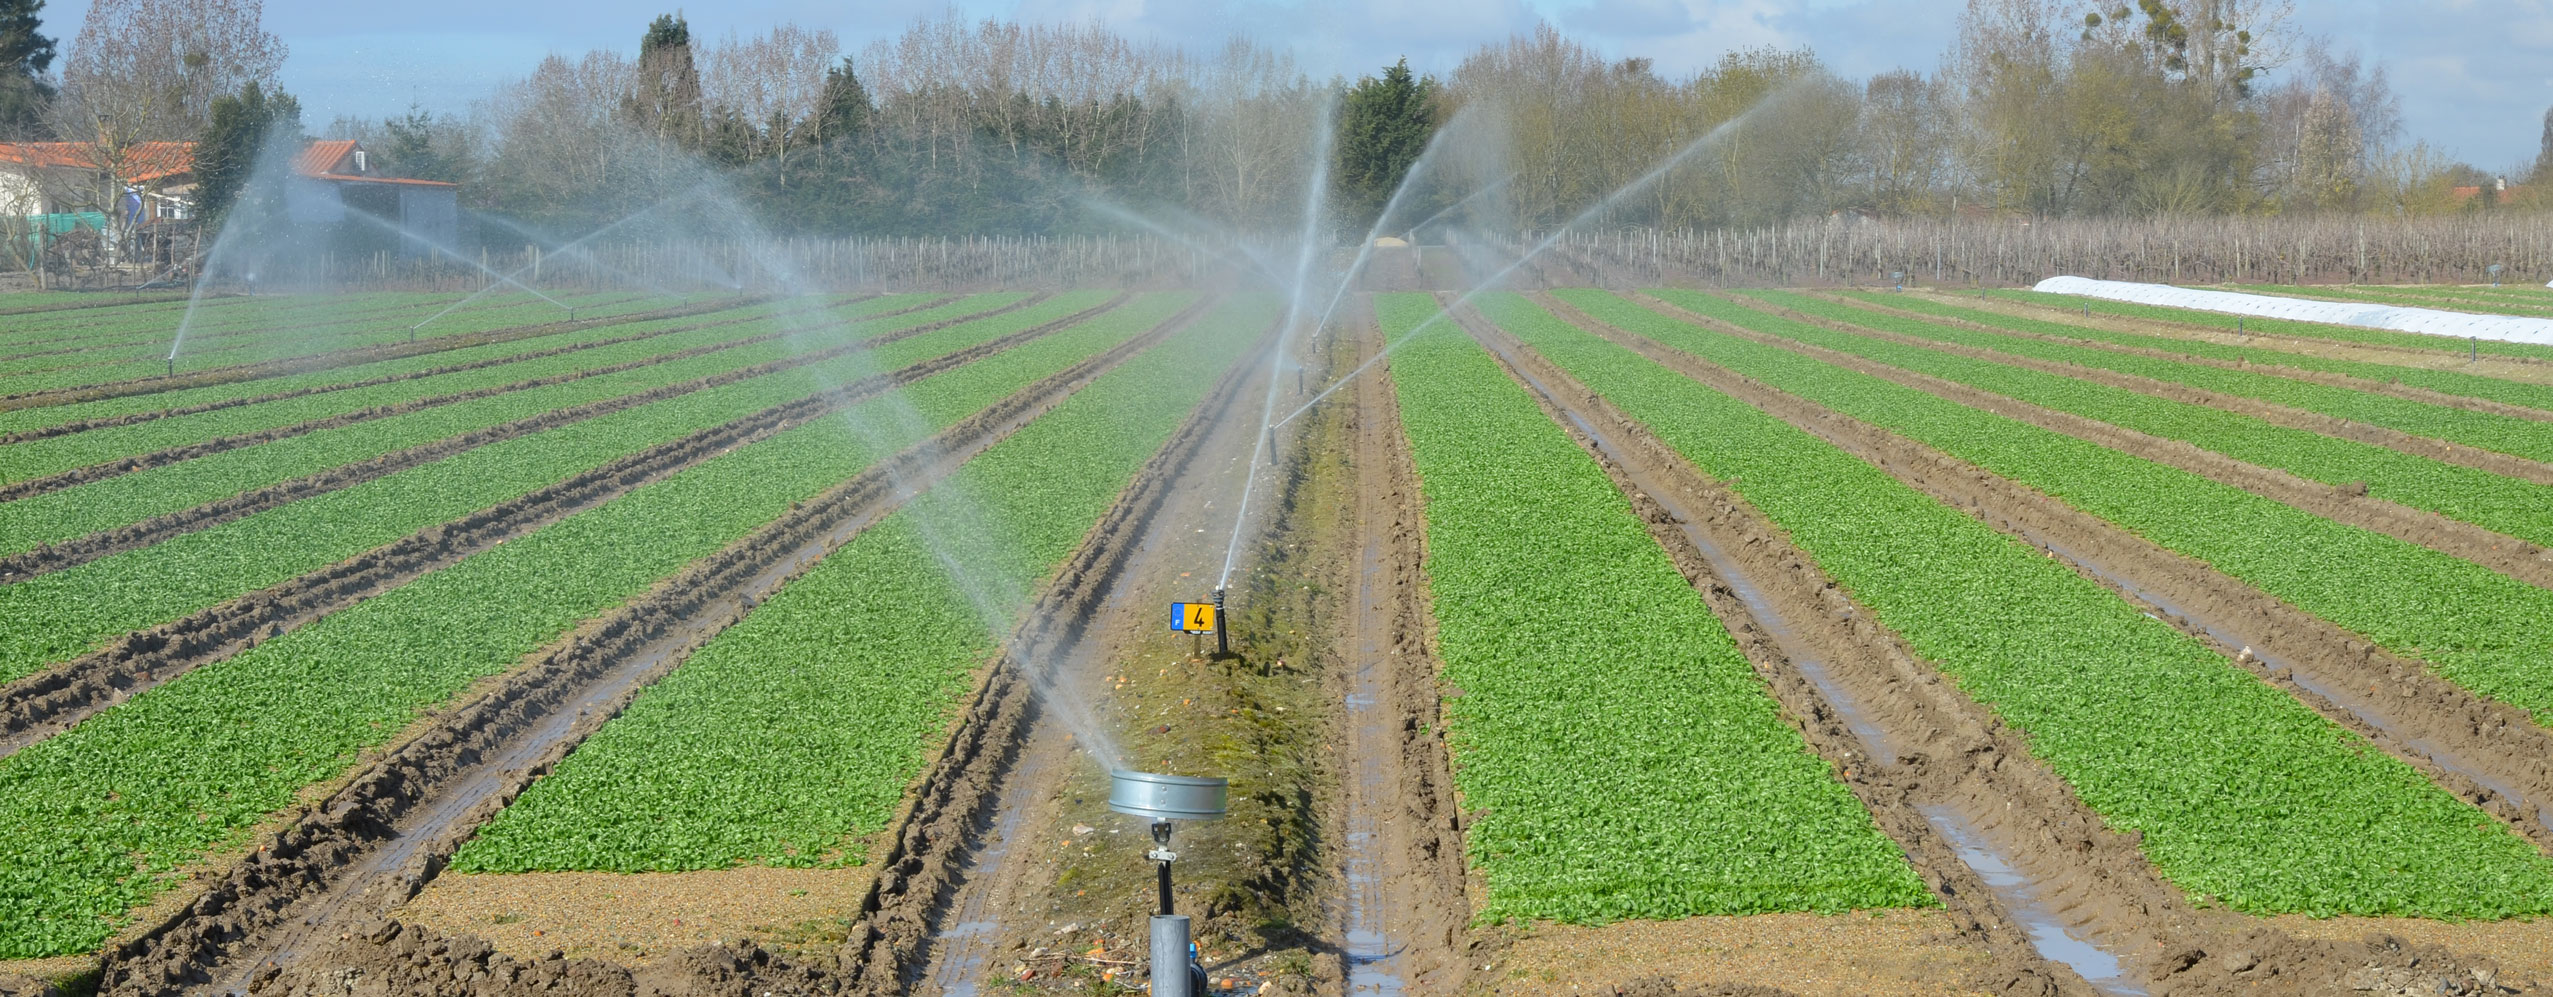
(1165, 798)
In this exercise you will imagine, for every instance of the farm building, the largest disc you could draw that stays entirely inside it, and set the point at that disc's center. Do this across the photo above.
(62, 188)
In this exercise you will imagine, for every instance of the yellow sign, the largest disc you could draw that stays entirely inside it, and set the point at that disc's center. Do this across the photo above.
(1192, 617)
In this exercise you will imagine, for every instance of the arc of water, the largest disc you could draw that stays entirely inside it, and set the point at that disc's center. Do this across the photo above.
(579, 241)
(393, 228)
(1706, 140)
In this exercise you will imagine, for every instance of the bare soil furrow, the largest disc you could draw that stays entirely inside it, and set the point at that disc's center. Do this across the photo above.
(925, 870)
(84, 425)
(35, 707)
(342, 358)
(2507, 555)
(347, 861)
(1399, 836)
(1685, 511)
(2280, 415)
(57, 557)
(2467, 745)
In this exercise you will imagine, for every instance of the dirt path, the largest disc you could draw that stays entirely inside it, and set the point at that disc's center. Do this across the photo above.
(2507, 555)
(2442, 731)
(371, 845)
(37, 706)
(2314, 422)
(70, 554)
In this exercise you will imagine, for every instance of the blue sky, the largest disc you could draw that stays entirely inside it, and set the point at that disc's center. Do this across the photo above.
(2474, 78)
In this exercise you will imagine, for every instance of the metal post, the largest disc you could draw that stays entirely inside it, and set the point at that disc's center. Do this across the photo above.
(1222, 640)
(1170, 956)
(1161, 857)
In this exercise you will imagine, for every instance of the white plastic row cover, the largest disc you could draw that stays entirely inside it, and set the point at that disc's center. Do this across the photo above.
(2428, 321)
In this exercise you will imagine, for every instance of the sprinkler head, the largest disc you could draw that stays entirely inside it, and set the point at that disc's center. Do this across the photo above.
(1166, 797)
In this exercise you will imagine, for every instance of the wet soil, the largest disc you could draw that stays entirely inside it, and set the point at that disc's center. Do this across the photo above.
(644, 918)
(39, 705)
(2315, 422)
(2066, 849)
(1405, 914)
(2502, 553)
(1672, 498)
(266, 925)
(345, 358)
(73, 553)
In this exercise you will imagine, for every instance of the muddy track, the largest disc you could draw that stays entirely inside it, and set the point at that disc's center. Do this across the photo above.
(919, 880)
(352, 858)
(1399, 828)
(1670, 497)
(38, 705)
(84, 425)
(2293, 418)
(2451, 736)
(70, 554)
(2500, 552)
(2446, 347)
(344, 358)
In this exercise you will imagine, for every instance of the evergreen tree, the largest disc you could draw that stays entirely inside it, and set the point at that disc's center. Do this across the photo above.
(1384, 124)
(244, 124)
(667, 104)
(843, 110)
(24, 57)
(421, 148)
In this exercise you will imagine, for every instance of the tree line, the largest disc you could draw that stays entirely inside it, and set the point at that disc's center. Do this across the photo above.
(2042, 109)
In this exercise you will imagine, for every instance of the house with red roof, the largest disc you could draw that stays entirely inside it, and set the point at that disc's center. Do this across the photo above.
(339, 186)
(335, 184)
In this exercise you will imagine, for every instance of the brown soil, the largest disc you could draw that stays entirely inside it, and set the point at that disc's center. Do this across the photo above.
(367, 848)
(36, 706)
(641, 919)
(2153, 916)
(343, 358)
(2488, 753)
(1898, 953)
(73, 553)
(1396, 780)
(2446, 356)
(1673, 499)
(2315, 422)
(127, 419)
(2499, 552)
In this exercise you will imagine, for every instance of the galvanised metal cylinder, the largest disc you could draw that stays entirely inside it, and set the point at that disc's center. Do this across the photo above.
(1170, 956)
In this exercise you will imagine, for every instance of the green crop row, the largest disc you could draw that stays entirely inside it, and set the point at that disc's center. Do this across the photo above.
(132, 498)
(795, 732)
(329, 394)
(93, 820)
(148, 360)
(75, 326)
(2258, 325)
(61, 615)
(1631, 763)
(2484, 430)
(2485, 631)
(2441, 381)
(418, 366)
(2511, 506)
(213, 330)
(2243, 796)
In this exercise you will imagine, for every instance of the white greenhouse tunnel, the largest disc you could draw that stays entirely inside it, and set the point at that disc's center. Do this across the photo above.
(2427, 321)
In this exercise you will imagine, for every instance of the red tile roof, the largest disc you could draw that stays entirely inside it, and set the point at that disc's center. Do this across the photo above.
(321, 158)
(143, 162)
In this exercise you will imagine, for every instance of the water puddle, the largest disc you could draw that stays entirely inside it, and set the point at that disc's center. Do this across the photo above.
(2047, 934)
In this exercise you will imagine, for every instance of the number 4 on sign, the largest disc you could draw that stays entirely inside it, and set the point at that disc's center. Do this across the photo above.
(1192, 617)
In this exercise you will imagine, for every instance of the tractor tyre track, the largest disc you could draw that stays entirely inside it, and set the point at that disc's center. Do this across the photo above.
(344, 863)
(2499, 552)
(39, 705)
(73, 553)
(2466, 745)
(1682, 508)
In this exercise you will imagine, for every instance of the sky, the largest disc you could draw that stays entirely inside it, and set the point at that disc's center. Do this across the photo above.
(2474, 78)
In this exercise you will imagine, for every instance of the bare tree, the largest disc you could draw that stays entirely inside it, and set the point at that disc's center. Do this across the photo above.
(772, 82)
(145, 71)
